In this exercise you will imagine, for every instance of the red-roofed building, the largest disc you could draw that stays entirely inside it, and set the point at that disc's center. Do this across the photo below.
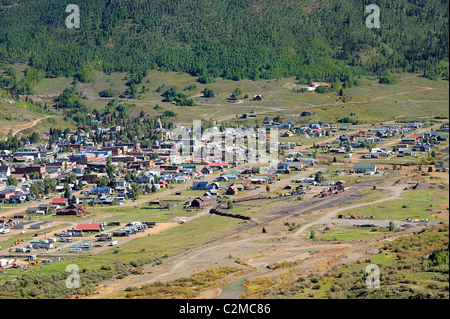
(163, 184)
(89, 227)
(221, 164)
(60, 201)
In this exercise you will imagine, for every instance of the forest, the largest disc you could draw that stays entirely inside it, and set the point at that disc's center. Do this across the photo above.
(254, 39)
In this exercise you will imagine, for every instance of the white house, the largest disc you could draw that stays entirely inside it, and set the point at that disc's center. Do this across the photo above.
(5, 171)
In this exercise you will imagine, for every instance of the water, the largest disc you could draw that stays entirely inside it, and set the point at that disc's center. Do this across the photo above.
(236, 288)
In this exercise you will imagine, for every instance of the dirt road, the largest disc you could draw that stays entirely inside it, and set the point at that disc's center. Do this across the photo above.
(27, 125)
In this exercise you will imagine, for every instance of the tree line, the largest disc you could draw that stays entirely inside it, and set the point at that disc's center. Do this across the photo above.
(262, 39)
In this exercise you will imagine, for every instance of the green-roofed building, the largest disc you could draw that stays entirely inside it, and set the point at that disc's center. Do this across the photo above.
(364, 167)
(188, 166)
(408, 139)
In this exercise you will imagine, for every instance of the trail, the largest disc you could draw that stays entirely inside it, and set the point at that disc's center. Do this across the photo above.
(395, 193)
(29, 125)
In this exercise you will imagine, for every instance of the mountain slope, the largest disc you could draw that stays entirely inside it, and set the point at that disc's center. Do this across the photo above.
(228, 38)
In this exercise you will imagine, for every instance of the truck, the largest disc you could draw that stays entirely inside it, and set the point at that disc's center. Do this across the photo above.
(113, 243)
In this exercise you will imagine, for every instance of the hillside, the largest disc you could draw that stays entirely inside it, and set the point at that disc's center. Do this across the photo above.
(22, 118)
(226, 38)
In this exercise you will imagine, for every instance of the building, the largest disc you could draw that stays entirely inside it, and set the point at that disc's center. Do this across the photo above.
(232, 190)
(200, 186)
(287, 134)
(146, 179)
(101, 191)
(364, 167)
(29, 169)
(83, 159)
(72, 209)
(5, 171)
(409, 140)
(59, 202)
(90, 227)
(203, 201)
(90, 178)
(42, 225)
(294, 165)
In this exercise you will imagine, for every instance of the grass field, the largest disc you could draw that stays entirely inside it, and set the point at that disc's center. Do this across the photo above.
(412, 97)
(418, 204)
(173, 240)
(348, 234)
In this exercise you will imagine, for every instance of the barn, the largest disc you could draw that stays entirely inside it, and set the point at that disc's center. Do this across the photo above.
(203, 201)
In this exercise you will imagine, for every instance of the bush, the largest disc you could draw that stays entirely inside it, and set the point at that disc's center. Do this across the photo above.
(206, 79)
(107, 93)
(388, 79)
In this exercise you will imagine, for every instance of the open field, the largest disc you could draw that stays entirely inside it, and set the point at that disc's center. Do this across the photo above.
(413, 97)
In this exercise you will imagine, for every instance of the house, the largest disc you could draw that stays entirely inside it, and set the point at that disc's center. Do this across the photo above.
(163, 184)
(294, 165)
(242, 184)
(203, 201)
(219, 165)
(122, 185)
(232, 190)
(425, 148)
(409, 139)
(58, 202)
(101, 191)
(72, 209)
(287, 134)
(5, 171)
(146, 179)
(6, 195)
(207, 170)
(212, 192)
(364, 167)
(214, 185)
(200, 185)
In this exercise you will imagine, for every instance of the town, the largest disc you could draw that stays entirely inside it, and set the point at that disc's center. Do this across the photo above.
(43, 186)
